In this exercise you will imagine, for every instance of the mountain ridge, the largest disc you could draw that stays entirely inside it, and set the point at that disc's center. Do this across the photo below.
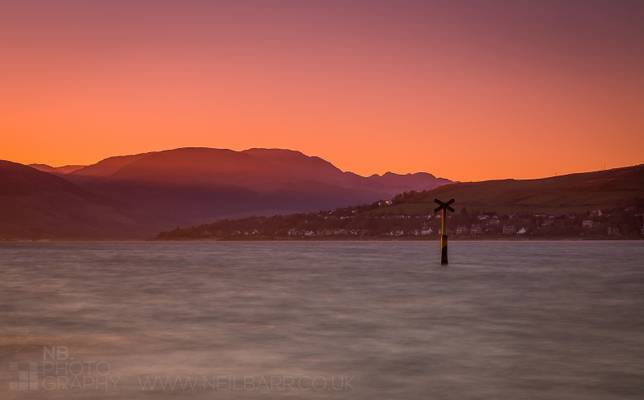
(61, 170)
(162, 189)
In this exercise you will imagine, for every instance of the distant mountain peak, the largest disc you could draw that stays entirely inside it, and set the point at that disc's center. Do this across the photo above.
(274, 150)
(408, 174)
(62, 170)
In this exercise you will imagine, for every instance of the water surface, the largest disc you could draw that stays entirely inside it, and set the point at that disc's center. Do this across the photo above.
(355, 320)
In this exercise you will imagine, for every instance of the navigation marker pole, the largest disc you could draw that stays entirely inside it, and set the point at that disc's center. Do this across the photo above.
(443, 207)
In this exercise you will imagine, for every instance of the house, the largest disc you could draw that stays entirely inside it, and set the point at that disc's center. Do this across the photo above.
(587, 224)
(462, 230)
(548, 221)
(509, 229)
(494, 221)
(476, 230)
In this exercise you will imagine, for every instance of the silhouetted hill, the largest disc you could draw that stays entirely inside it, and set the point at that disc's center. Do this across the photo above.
(35, 204)
(619, 187)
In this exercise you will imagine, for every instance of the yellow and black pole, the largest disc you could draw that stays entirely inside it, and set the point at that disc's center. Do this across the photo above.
(443, 207)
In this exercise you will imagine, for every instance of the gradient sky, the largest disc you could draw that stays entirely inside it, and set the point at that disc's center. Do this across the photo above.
(468, 90)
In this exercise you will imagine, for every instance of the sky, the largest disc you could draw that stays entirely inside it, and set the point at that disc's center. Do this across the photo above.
(467, 90)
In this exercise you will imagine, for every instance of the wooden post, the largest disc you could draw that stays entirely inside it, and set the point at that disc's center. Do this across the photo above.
(443, 207)
(444, 237)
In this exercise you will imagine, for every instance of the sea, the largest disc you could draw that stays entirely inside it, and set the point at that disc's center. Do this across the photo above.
(322, 320)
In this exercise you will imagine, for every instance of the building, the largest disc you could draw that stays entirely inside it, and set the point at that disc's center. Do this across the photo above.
(548, 221)
(509, 229)
(494, 221)
(596, 213)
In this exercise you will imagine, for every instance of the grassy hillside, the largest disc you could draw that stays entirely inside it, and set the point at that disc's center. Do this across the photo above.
(614, 188)
(39, 205)
(557, 207)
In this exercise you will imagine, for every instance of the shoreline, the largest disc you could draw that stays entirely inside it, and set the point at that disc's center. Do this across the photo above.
(287, 240)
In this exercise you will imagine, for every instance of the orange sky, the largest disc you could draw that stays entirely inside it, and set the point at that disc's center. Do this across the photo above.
(458, 89)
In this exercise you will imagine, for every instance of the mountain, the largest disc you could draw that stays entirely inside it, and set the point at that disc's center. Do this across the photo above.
(189, 185)
(62, 170)
(555, 207)
(254, 169)
(397, 183)
(35, 204)
(164, 189)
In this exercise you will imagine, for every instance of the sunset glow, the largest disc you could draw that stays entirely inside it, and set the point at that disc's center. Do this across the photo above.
(465, 90)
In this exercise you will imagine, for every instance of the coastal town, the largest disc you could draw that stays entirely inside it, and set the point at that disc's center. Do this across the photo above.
(376, 222)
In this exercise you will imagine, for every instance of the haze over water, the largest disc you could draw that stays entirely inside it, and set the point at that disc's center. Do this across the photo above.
(362, 320)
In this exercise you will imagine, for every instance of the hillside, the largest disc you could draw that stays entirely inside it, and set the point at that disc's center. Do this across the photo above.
(38, 205)
(160, 190)
(614, 188)
(188, 185)
(254, 169)
(602, 204)
(62, 170)
(106, 167)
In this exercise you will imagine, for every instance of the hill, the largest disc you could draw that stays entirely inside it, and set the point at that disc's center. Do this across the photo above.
(613, 188)
(38, 205)
(602, 204)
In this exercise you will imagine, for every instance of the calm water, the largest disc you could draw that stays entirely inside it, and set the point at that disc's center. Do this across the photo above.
(377, 320)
